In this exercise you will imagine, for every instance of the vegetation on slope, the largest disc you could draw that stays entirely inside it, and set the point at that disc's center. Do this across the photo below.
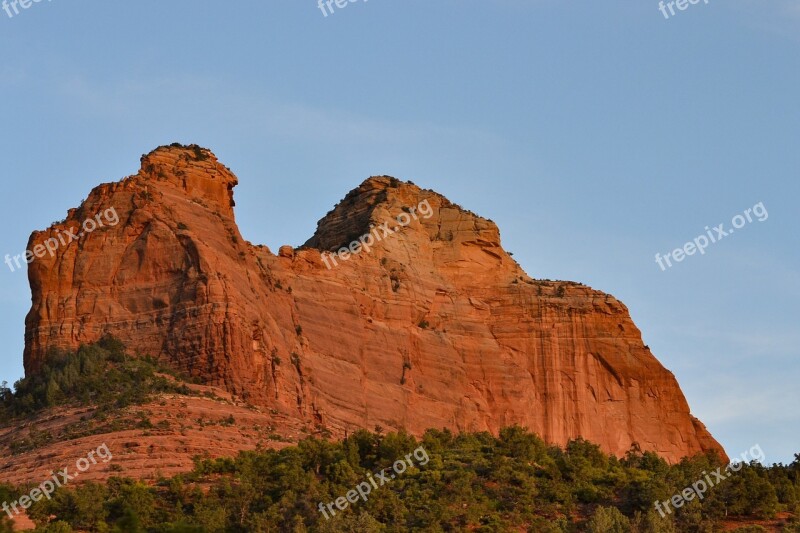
(100, 375)
(472, 482)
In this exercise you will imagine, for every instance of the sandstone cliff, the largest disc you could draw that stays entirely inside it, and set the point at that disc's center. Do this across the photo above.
(435, 326)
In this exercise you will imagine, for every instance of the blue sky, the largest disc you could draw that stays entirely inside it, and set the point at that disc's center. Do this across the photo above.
(594, 133)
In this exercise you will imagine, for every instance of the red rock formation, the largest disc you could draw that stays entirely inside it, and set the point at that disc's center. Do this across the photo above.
(434, 326)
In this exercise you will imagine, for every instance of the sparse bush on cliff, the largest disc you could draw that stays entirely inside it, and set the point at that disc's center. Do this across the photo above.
(199, 154)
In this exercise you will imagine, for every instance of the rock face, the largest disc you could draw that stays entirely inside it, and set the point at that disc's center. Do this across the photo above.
(434, 325)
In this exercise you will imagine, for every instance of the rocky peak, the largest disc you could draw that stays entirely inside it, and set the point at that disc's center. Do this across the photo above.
(194, 171)
(435, 221)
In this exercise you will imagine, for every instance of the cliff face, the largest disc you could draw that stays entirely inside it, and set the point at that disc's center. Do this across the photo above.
(434, 326)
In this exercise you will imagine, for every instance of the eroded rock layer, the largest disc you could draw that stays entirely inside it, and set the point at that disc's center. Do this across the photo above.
(434, 326)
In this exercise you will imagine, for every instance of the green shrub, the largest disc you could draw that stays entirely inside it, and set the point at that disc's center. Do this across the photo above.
(99, 374)
(608, 520)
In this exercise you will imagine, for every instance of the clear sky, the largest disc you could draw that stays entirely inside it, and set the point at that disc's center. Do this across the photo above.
(595, 134)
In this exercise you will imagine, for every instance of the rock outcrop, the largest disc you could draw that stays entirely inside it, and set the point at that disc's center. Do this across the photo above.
(159, 438)
(434, 325)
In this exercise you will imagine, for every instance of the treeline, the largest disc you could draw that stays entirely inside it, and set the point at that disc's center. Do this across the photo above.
(472, 482)
(100, 374)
